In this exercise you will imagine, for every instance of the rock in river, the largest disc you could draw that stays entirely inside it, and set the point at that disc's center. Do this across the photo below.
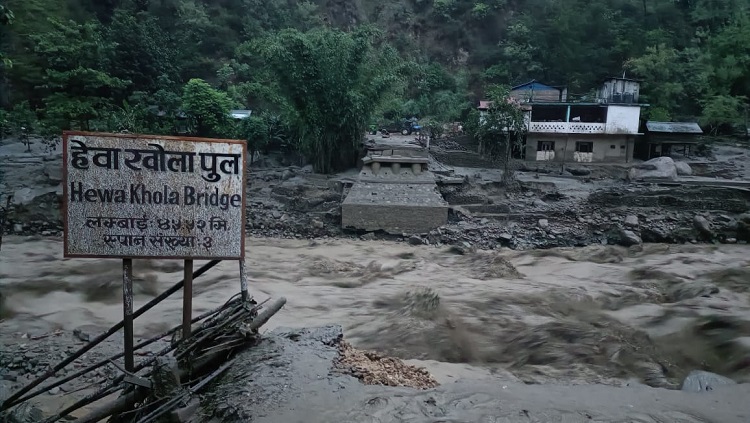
(700, 381)
(702, 225)
(415, 240)
(628, 238)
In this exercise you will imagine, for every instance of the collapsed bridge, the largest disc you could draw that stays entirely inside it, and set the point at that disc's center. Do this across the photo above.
(395, 192)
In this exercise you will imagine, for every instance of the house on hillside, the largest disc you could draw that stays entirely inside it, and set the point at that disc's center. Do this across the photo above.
(667, 138)
(602, 129)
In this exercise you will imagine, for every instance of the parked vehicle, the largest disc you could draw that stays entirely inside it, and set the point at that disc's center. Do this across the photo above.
(405, 127)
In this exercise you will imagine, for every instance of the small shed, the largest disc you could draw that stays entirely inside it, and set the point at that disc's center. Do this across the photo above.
(666, 138)
(536, 91)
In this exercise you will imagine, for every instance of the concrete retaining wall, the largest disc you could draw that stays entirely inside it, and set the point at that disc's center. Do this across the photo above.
(394, 207)
(393, 219)
(462, 159)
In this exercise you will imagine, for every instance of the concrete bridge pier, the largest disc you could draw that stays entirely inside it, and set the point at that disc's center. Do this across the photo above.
(395, 193)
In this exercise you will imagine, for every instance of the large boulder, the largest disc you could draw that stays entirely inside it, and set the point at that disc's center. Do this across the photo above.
(631, 220)
(658, 168)
(53, 172)
(703, 226)
(683, 169)
(700, 381)
(629, 238)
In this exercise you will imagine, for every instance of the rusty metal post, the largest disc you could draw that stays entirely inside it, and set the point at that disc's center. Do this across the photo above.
(243, 280)
(187, 300)
(127, 305)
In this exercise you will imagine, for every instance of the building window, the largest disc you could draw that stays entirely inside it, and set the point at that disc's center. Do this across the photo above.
(545, 146)
(612, 146)
(585, 146)
(622, 147)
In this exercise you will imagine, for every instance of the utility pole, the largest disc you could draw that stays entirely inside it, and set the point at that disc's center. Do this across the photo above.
(567, 137)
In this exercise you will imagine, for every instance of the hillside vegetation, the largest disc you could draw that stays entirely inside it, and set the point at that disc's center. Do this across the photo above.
(316, 73)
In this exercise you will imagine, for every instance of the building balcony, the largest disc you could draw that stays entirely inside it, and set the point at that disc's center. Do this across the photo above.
(568, 127)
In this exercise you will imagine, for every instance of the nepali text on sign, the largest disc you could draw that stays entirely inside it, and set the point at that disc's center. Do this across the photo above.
(146, 196)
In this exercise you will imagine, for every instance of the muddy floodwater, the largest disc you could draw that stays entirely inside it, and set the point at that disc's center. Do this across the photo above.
(597, 314)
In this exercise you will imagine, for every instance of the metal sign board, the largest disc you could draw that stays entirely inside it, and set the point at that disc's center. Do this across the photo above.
(130, 196)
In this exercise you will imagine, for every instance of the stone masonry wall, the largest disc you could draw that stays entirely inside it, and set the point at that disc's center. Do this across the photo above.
(394, 207)
(394, 219)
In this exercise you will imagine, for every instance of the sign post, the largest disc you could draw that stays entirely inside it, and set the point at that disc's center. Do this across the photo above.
(127, 309)
(130, 196)
(243, 281)
(187, 300)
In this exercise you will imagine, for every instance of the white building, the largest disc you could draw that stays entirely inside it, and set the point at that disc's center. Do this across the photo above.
(602, 129)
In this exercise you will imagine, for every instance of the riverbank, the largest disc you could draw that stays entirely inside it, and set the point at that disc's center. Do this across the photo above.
(543, 210)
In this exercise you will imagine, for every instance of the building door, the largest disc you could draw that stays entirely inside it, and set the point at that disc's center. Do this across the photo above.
(545, 150)
(616, 149)
(584, 152)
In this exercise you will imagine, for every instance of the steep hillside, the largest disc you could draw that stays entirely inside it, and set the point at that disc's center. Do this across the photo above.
(693, 54)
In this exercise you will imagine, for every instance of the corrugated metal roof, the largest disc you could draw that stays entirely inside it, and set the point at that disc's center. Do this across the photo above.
(533, 85)
(619, 78)
(674, 127)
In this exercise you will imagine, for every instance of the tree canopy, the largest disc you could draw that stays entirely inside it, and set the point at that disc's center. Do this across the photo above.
(500, 129)
(324, 71)
(331, 83)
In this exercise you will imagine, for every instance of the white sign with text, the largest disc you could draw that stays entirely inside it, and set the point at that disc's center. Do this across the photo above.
(130, 196)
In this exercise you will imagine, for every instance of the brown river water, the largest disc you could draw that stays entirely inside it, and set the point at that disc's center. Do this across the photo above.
(597, 314)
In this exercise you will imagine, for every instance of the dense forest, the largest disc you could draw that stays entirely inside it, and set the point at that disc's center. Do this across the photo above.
(317, 73)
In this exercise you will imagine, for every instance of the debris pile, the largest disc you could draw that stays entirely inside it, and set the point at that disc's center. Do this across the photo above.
(448, 144)
(165, 380)
(173, 380)
(374, 369)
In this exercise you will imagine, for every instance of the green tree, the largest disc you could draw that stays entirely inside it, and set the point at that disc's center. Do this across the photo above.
(20, 121)
(332, 82)
(271, 15)
(78, 85)
(445, 8)
(501, 129)
(142, 51)
(518, 55)
(660, 67)
(716, 13)
(480, 11)
(260, 131)
(255, 131)
(207, 108)
(6, 18)
(722, 110)
(728, 60)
